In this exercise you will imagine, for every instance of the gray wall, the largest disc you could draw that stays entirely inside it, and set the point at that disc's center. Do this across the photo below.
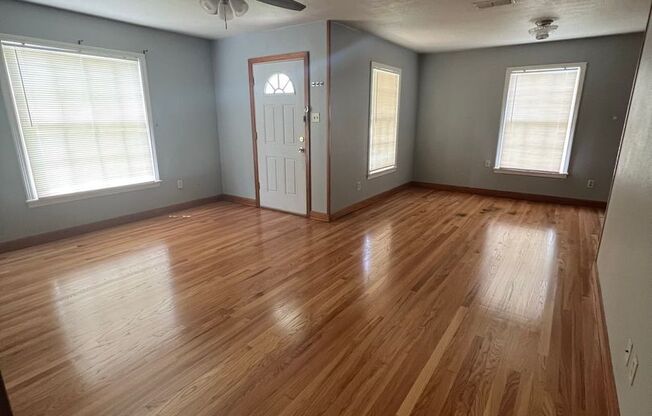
(352, 53)
(625, 257)
(183, 110)
(230, 58)
(460, 106)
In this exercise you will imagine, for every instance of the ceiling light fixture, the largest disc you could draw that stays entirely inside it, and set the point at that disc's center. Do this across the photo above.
(544, 26)
(227, 9)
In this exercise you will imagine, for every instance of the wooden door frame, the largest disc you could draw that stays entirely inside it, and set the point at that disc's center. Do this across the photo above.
(294, 56)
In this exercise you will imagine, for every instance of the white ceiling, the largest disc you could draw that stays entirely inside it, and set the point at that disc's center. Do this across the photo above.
(422, 25)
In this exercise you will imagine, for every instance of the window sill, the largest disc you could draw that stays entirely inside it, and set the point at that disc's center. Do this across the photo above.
(50, 200)
(381, 173)
(538, 173)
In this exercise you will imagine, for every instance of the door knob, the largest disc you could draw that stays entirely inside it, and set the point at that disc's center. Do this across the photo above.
(302, 149)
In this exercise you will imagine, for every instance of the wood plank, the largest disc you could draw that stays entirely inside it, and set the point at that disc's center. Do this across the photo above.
(433, 362)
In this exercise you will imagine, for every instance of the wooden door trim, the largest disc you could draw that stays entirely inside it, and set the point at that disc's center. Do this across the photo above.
(329, 24)
(293, 56)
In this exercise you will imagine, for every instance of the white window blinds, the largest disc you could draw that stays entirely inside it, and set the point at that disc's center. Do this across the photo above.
(538, 119)
(82, 120)
(383, 119)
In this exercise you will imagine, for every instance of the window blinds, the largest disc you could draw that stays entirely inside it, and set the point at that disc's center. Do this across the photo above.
(82, 119)
(538, 119)
(383, 123)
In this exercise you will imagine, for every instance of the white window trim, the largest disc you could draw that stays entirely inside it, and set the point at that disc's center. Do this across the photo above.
(76, 196)
(563, 172)
(531, 172)
(12, 114)
(393, 168)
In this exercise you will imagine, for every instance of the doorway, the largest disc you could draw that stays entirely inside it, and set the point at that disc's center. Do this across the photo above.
(280, 97)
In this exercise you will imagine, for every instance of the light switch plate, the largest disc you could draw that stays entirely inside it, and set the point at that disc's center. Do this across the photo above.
(314, 117)
(179, 183)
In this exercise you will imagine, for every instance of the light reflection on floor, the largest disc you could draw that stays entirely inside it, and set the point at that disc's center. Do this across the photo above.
(376, 247)
(511, 287)
(85, 319)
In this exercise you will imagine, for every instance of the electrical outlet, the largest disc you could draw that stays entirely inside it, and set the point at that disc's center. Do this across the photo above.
(487, 163)
(631, 370)
(628, 351)
(590, 183)
(358, 185)
(314, 117)
(179, 183)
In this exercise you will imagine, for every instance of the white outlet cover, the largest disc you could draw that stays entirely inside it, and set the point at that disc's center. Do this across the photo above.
(487, 163)
(314, 117)
(633, 366)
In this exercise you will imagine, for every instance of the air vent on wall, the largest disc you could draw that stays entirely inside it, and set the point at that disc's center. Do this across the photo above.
(487, 4)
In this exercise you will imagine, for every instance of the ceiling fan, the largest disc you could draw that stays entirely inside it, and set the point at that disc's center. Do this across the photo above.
(227, 9)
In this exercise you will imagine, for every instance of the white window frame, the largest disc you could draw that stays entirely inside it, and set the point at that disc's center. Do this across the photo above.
(394, 167)
(32, 199)
(563, 171)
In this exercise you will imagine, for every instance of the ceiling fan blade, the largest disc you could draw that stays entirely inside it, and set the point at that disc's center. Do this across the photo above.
(285, 4)
(210, 6)
(239, 7)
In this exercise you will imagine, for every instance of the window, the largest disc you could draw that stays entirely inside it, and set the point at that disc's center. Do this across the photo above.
(81, 120)
(539, 113)
(383, 118)
(279, 83)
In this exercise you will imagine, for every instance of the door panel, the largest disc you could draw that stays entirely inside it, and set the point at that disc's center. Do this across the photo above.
(279, 103)
(290, 177)
(271, 178)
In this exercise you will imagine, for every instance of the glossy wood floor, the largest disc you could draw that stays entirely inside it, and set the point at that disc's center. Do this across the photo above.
(431, 303)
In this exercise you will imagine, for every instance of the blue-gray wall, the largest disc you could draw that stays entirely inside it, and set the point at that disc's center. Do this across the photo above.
(460, 103)
(183, 110)
(450, 111)
(231, 57)
(352, 53)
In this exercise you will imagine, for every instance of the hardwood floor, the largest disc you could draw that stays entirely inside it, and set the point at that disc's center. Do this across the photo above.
(429, 303)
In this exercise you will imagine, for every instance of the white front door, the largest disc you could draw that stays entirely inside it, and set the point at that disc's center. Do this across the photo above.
(281, 139)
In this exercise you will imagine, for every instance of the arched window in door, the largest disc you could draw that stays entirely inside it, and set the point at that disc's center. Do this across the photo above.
(279, 83)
